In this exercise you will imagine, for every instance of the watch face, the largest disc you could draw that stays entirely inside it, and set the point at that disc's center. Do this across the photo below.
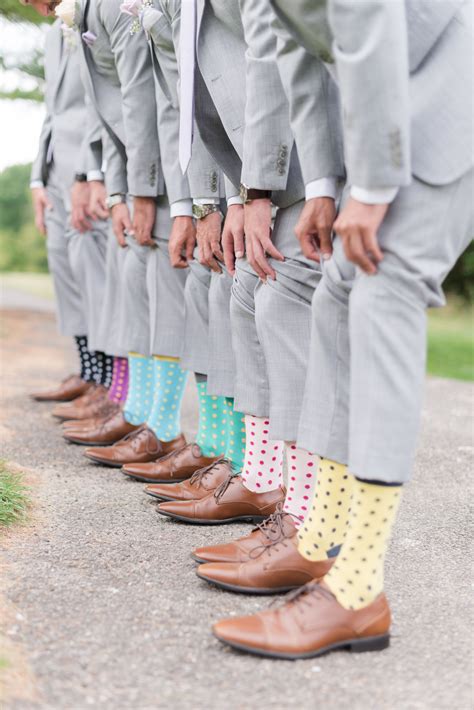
(243, 193)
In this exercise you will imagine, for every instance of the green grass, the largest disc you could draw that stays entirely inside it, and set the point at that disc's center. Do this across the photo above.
(14, 499)
(451, 342)
(34, 284)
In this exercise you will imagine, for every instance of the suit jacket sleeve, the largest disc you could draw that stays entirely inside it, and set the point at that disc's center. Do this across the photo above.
(268, 139)
(134, 68)
(39, 164)
(314, 108)
(115, 172)
(371, 53)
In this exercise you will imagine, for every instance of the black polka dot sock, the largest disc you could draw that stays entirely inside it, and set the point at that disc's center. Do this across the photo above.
(357, 576)
(87, 359)
(105, 369)
(326, 523)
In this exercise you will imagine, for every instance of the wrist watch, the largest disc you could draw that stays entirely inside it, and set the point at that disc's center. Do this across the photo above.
(80, 177)
(201, 211)
(248, 194)
(117, 199)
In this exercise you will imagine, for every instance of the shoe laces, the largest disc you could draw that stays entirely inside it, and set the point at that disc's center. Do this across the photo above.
(135, 436)
(274, 531)
(197, 477)
(220, 490)
(306, 594)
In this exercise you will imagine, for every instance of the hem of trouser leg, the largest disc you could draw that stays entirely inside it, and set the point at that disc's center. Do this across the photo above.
(69, 332)
(381, 468)
(187, 362)
(219, 387)
(115, 351)
(172, 351)
(140, 347)
(315, 445)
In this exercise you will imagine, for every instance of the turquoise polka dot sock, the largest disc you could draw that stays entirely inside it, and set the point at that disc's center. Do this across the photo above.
(212, 431)
(169, 383)
(140, 389)
(235, 449)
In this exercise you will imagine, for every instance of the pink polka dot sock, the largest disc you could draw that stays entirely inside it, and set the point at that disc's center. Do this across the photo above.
(302, 472)
(263, 465)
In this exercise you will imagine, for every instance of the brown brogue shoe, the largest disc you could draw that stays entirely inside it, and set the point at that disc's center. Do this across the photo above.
(279, 525)
(271, 569)
(105, 432)
(141, 446)
(93, 404)
(230, 502)
(174, 468)
(69, 389)
(198, 486)
(310, 622)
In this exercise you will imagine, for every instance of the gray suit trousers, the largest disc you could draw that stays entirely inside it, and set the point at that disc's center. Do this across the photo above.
(271, 331)
(364, 386)
(88, 262)
(110, 322)
(195, 350)
(69, 304)
(221, 373)
(134, 324)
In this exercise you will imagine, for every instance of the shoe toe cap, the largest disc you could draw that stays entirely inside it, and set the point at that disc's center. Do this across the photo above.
(225, 572)
(245, 632)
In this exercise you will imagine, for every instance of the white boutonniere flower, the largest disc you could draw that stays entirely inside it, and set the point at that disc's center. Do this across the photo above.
(70, 37)
(135, 9)
(69, 12)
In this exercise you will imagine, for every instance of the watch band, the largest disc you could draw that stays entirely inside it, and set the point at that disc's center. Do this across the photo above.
(248, 194)
(80, 177)
(117, 199)
(201, 211)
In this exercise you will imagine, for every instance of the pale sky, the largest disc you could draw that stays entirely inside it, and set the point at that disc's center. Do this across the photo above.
(20, 121)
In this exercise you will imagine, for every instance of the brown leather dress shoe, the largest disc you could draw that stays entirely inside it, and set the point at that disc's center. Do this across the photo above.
(70, 388)
(174, 468)
(311, 622)
(102, 432)
(80, 408)
(230, 502)
(279, 525)
(138, 447)
(198, 486)
(271, 569)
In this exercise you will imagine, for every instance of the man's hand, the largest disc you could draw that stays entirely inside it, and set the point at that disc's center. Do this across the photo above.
(182, 242)
(209, 241)
(80, 206)
(233, 243)
(121, 222)
(258, 241)
(144, 213)
(357, 225)
(314, 228)
(97, 200)
(40, 204)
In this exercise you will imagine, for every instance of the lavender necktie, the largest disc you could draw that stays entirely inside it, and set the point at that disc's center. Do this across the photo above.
(186, 92)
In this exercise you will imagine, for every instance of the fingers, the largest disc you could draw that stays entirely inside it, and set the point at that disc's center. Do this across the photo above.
(228, 249)
(40, 223)
(189, 250)
(270, 249)
(355, 252)
(98, 210)
(372, 246)
(256, 259)
(216, 249)
(309, 247)
(119, 234)
(80, 216)
(209, 258)
(325, 242)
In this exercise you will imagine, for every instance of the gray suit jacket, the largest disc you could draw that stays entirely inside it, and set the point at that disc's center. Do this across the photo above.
(241, 108)
(120, 84)
(404, 70)
(71, 132)
(204, 177)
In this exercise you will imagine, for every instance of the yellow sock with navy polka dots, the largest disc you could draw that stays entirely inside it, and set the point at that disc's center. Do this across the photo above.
(356, 577)
(235, 448)
(169, 383)
(139, 400)
(325, 526)
(212, 428)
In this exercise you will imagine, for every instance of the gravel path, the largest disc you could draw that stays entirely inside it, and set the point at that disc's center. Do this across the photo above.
(104, 609)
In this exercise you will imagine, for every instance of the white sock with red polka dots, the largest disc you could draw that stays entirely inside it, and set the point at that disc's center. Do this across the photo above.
(263, 466)
(302, 472)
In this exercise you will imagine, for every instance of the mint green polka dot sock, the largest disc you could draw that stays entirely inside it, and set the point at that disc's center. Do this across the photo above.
(235, 449)
(140, 389)
(212, 431)
(169, 383)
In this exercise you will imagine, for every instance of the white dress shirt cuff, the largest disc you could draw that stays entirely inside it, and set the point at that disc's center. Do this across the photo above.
(376, 196)
(236, 200)
(36, 183)
(95, 175)
(324, 187)
(206, 201)
(181, 208)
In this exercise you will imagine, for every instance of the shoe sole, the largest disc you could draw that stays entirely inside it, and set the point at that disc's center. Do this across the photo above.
(256, 591)
(161, 483)
(81, 442)
(198, 521)
(110, 464)
(200, 561)
(371, 643)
